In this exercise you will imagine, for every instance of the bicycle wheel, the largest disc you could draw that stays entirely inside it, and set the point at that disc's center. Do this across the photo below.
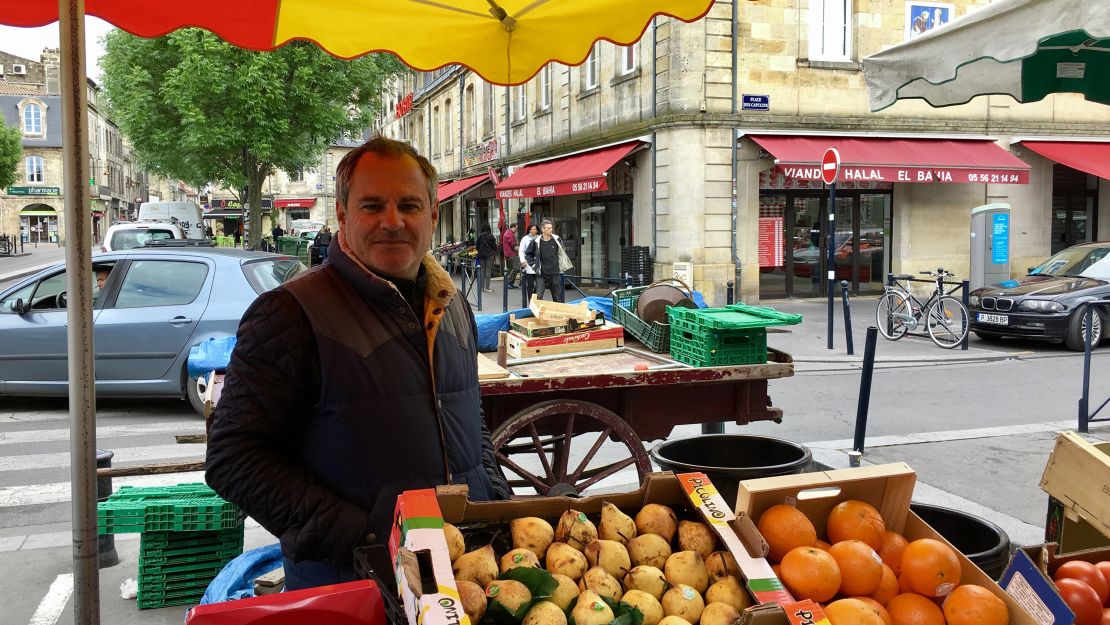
(947, 322)
(6, 247)
(890, 315)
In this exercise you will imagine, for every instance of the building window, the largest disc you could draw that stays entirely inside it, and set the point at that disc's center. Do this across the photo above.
(627, 61)
(297, 175)
(470, 121)
(545, 87)
(448, 137)
(435, 132)
(591, 69)
(35, 169)
(830, 30)
(491, 110)
(32, 119)
(520, 103)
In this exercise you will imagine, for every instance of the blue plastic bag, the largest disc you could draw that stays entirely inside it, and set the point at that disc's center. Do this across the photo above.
(210, 355)
(236, 580)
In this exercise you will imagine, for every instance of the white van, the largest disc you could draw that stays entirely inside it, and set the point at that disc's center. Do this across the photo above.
(186, 215)
(129, 235)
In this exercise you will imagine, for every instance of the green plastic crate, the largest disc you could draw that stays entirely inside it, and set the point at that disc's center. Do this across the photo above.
(179, 491)
(733, 317)
(655, 336)
(157, 542)
(708, 348)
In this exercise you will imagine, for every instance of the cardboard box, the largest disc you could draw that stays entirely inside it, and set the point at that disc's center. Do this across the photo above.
(608, 336)
(1077, 477)
(889, 488)
(533, 327)
(419, 549)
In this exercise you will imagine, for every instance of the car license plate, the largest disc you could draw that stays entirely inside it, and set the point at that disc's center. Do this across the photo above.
(997, 319)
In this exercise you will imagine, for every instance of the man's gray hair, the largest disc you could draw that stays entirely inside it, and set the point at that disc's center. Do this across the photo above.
(385, 148)
(546, 222)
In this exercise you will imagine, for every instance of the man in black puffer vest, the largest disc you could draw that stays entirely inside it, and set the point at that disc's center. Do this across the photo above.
(354, 381)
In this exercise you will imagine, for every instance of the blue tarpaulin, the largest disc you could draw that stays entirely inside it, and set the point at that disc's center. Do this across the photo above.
(236, 579)
(210, 355)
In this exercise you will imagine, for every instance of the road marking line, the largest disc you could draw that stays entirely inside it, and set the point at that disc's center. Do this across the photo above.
(122, 455)
(112, 431)
(50, 609)
(58, 492)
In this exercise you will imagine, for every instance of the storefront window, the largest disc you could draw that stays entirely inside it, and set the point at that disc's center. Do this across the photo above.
(1074, 207)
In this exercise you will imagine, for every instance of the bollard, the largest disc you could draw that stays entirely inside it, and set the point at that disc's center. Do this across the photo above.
(713, 428)
(462, 288)
(865, 389)
(730, 293)
(505, 295)
(478, 279)
(965, 297)
(106, 543)
(1085, 398)
(847, 317)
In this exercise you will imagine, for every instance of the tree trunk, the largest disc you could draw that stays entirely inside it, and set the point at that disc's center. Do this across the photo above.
(254, 201)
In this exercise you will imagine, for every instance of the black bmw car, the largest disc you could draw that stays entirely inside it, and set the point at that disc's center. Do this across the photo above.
(1047, 303)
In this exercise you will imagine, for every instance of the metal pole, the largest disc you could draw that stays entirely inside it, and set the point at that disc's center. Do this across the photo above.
(82, 392)
(1085, 398)
(479, 280)
(830, 241)
(865, 388)
(847, 316)
(729, 292)
(965, 296)
(505, 293)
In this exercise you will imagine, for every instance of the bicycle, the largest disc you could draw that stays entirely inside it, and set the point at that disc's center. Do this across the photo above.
(7, 246)
(945, 317)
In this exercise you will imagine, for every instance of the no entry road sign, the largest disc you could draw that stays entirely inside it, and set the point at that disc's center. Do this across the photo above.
(830, 166)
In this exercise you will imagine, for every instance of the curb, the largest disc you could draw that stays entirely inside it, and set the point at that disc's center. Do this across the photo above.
(909, 359)
(23, 273)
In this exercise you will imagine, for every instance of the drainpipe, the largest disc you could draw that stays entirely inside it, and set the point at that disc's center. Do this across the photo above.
(735, 131)
(654, 141)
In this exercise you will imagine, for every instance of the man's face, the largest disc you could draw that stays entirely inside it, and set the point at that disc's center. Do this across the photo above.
(389, 218)
(101, 278)
(547, 228)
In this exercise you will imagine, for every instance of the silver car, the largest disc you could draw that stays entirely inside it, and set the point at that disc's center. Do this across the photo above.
(150, 307)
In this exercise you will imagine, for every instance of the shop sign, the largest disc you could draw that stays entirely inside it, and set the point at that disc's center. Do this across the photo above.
(750, 102)
(773, 180)
(1000, 237)
(850, 173)
(53, 191)
(482, 153)
(562, 188)
(267, 203)
(770, 241)
(404, 106)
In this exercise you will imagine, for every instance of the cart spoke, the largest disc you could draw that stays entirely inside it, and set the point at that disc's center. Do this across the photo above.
(610, 470)
(539, 484)
(590, 456)
(539, 450)
(562, 449)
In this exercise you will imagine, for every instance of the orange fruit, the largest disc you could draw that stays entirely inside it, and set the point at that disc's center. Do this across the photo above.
(809, 573)
(904, 584)
(778, 570)
(879, 609)
(785, 527)
(931, 567)
(888, 587)
(855, 520)
(891, 550)
(822, 545)
(852, 612)
(974, 605)
(861, 570)
(911, 609)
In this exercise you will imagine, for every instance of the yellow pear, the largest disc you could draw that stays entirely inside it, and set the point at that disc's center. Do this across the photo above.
(600, 581)
(575, 529)
(565, 594)
(615, 525)
(656, 519)
(591, 610)
(544, 613)
(473, 600)
(519, 558)
(683, 601)
(719, 614)
(695, 536)
(721, 564)
(456, 546)
(687, 567)
(609, 555)
(511, 594)
(728, 590)
(650, 549)
(478, 566)
(648, 605)
(565, 560)
(646, 579)
(674, 620)
(532, 533)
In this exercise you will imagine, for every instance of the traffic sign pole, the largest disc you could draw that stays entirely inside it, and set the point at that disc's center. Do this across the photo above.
(830, 171)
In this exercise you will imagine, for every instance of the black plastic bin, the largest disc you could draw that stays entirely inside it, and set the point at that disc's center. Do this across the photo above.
(983, 542)
(729, 458)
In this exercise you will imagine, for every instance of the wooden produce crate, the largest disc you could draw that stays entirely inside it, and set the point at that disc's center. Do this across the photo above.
(608, 336)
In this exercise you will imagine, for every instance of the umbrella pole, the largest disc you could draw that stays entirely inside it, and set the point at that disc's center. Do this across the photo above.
(78, 241)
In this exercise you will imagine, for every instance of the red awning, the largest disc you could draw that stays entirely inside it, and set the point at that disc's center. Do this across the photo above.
(878, 159)
(451, 188)
(296, 202)
(581, 173)
(1092, 157)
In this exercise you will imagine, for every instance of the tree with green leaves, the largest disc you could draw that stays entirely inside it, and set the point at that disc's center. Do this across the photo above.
(203, 111)
(11, 150)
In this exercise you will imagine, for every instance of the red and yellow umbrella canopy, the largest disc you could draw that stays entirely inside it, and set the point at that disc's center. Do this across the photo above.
(504, 41)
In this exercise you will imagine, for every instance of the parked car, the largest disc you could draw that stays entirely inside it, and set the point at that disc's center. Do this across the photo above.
(150, 307)
(1047, 303)
(130, 235)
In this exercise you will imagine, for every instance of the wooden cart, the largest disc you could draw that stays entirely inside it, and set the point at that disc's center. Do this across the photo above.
(571, 421)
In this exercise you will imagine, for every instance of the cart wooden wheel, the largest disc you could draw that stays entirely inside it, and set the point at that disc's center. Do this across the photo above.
(553, 448)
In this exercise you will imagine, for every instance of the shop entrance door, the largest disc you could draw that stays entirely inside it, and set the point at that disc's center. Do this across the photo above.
(605, 229)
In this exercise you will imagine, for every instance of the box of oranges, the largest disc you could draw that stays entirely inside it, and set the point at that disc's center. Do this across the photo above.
(848, 541)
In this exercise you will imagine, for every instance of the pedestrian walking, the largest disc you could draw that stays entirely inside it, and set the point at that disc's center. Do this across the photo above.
(511, 252)
(323, 242)
(527, 274)
(487, 253)
(549, 260)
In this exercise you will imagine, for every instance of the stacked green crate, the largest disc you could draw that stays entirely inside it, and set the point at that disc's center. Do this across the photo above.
(188, 535)
(732, 335)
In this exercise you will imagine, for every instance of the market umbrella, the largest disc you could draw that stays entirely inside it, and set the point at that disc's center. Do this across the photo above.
(504, 41)
(1024, 48)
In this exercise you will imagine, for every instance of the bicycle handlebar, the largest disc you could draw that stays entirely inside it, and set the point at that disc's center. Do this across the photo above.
(940, 272)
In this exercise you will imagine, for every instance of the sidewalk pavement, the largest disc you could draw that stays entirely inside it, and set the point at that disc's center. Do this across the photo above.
(31, 260)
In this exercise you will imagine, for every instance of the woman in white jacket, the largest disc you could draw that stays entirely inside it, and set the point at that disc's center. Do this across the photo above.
(528, 274)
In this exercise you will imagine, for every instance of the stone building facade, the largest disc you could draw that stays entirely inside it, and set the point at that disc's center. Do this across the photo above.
(685, 124)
